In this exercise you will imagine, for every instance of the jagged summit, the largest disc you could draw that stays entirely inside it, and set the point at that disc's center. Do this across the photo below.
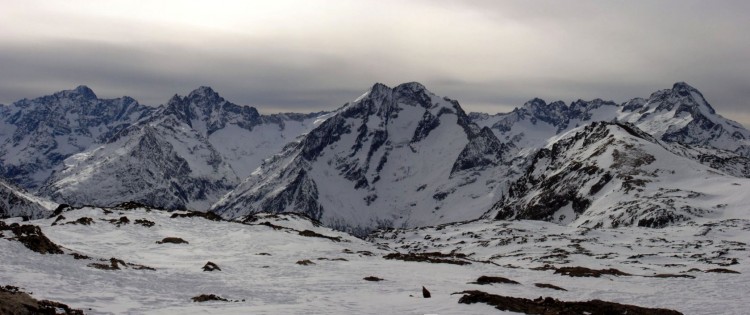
(381, 98)
(208, 112)
(684, 89)
(80, 93)
(85, 91)
(206, 93)
(413, 86)
(202, 96)
(681, 96)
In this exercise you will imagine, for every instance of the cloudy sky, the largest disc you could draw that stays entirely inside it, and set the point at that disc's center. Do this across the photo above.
(309, 55)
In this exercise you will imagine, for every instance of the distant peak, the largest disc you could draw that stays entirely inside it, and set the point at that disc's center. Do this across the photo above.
(379, 85)
(413, 86)
(685, 90)
(174, 99)
(203, 97)
(84, 91)
(682, 86)
(535, 102)
(203, 91)
(409, 87)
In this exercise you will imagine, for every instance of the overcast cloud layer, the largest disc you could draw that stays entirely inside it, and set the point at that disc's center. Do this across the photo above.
(316, 55)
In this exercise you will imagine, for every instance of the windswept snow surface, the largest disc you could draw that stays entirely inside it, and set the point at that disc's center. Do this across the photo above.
(276, 284)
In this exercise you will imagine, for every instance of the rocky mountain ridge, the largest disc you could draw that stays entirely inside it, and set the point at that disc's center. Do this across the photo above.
(185, 155)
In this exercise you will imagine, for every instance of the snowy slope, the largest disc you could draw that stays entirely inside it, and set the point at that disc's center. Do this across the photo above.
(613, 174)
(394, 157)
(673, 267)
(259, 267)
(37, 135)
(15, 202)
(185, 155)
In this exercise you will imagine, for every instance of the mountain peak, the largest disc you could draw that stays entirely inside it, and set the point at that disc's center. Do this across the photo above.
(204, 92)
(685, 90)
(534, 104)
(81, 90)
(408, 88)
(412, 86)
(682, 86)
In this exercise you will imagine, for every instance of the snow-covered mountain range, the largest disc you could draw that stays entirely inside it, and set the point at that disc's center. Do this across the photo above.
(404, 157)
(680, 115)
(78, 149)
(394, 157)
(186, 154)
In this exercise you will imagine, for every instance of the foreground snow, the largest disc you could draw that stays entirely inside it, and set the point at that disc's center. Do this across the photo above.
(276, 284)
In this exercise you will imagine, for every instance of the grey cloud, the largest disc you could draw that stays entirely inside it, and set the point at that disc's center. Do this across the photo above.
(582, 49)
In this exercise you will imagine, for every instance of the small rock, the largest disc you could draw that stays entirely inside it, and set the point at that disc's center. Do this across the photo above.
(425, 293)
(82, 221)
(209, 266)
(78, 256)
(172, 240)
(491, 280)
(145, 222)
(59, 218)
(721, 270)
(208, 297)
(549, 286)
